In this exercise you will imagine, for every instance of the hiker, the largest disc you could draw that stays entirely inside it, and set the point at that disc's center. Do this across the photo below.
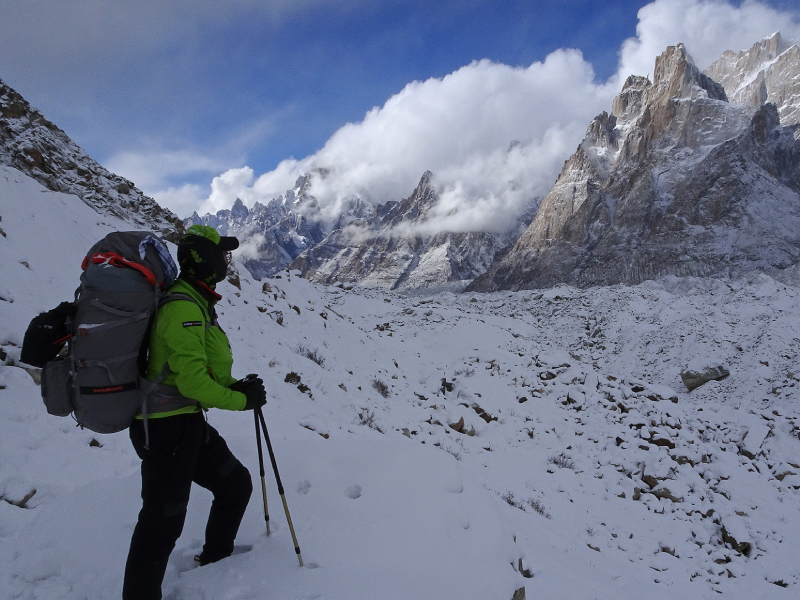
(176, 444)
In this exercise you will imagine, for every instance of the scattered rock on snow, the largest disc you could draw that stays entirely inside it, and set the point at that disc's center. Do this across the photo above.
(694, 378)
(735, 534)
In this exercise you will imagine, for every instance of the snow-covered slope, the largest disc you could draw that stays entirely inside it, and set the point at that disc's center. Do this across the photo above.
(583, 468)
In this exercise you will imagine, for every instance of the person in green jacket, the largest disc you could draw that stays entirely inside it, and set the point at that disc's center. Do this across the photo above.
(191, 357)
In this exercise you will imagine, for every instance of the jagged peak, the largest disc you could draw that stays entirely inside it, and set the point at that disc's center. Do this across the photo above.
(636, 82)
(676, 72)
(601, 131)
(774, 44)
(426, 179)
(669, 61)
(239, 210)
(754, 58)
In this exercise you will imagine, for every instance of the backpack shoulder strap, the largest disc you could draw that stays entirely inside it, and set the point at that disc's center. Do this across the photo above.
(176, 296)
(181, 296)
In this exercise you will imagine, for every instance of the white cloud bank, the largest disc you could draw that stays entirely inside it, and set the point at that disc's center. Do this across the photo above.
(462, 126)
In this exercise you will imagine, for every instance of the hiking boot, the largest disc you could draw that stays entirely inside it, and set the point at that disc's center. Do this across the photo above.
(205, 558)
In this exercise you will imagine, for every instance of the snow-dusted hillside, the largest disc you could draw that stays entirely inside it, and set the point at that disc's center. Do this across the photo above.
(448, 447)
(38, 148)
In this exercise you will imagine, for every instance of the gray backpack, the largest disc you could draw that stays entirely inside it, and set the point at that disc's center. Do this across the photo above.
(99, 378)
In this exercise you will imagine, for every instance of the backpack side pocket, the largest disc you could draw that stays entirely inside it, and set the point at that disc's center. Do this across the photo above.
(57, 386)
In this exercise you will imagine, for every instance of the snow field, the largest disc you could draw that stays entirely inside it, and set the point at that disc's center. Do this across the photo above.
(582, 468)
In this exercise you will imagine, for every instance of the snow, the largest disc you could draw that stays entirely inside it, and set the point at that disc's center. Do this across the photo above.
(583, 469)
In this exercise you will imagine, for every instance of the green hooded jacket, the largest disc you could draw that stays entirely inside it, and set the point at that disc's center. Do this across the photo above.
(199, 355)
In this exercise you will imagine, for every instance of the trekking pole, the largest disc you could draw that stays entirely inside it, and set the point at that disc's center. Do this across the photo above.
(278, 481)
(261, 468)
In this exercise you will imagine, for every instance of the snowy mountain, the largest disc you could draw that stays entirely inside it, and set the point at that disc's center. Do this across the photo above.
(690, 174)
(767, 72)
(375, 246)
(36, 147)
(276, 233)
(472, 447)
(390, 252)
(506, 445)
(677, 180)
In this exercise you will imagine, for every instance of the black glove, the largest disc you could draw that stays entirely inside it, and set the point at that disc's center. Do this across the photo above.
(252, 387)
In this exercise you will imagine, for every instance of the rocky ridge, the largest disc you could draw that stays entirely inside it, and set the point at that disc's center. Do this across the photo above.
(375, 252)
(677, 180)
(277, 232)
(768, 72)
(690, 174)
(35, 146)
(364, 245)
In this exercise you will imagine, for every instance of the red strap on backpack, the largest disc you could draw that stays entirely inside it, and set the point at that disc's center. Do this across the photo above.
(115, 260)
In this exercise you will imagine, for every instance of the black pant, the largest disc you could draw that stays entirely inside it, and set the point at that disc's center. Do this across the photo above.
(183, 449)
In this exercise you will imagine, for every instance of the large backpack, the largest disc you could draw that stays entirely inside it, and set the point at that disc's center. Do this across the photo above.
(100, 377)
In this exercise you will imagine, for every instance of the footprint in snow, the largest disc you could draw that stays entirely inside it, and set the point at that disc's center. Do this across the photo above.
(353, 492)
(303, 487)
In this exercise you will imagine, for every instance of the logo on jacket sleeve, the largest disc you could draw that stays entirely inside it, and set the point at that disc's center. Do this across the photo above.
(192, 323)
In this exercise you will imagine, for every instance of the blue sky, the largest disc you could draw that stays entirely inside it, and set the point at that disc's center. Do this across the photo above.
(199, 102)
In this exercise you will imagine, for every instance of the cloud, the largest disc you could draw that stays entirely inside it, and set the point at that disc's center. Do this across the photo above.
(181, 200)
(150, 169)
(54, 30)
(249, 247)
(233, 183)
(706, 27)
(162, 173)
(153, 171)
(461, 126)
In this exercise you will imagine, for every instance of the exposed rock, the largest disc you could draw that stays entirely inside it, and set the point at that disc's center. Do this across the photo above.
(35, 146)
(277, 233)
(376, 252)
(687, 175)
(675, 181)
(374, 246)
(693, 379)
(458, 427)
(740, 546)
(767, 72)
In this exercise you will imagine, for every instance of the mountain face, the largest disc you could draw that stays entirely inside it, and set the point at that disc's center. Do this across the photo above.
(278, 232)
(364, 245)
(33, 145)
(768, 72)
(677, 180)
(695, 173)
(376, 252)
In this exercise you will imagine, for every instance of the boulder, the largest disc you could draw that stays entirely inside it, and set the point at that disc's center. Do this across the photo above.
(694, 378)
